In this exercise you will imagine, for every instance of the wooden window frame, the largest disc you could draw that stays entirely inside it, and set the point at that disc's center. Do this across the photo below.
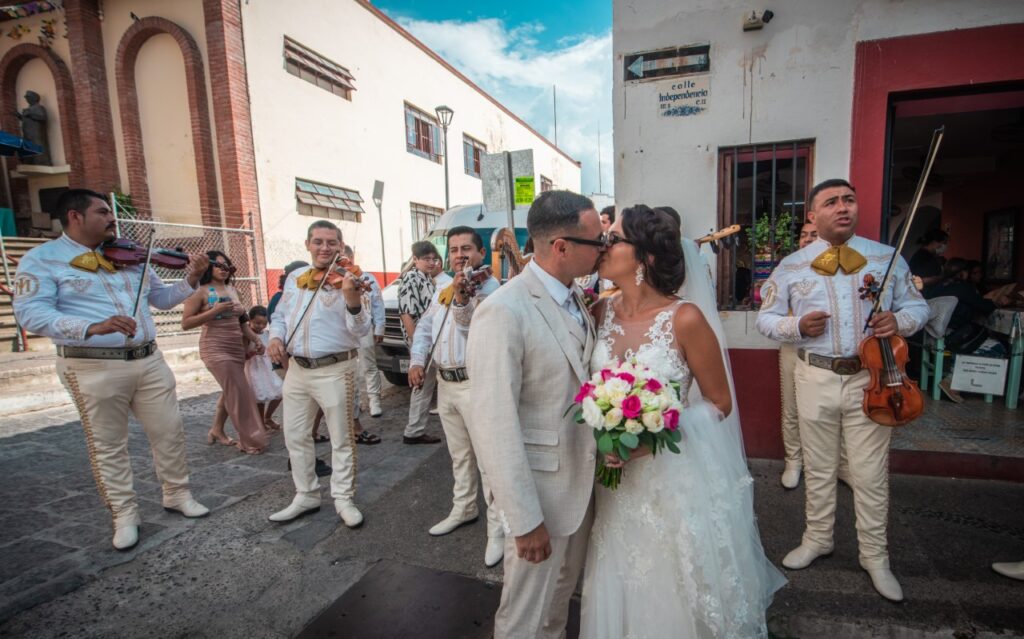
(423, 134)
(472, 155)
(546, 184)
(306, 64)
(317, 199)
(425, 212)
(729, 159)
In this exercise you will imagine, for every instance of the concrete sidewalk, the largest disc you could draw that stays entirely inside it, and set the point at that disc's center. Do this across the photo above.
(234, 574)
(28, 381)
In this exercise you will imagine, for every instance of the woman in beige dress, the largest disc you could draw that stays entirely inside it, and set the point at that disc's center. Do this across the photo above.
(222, 349)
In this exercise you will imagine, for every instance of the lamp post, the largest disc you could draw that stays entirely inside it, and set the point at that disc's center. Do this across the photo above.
(444, 116)
(378, 198)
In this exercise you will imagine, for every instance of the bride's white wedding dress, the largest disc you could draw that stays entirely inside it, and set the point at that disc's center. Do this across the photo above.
(675, 551)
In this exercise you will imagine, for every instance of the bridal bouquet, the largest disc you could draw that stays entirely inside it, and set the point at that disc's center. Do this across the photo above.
(626, 405)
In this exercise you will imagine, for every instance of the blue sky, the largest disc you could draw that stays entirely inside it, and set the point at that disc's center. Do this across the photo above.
(515, 51)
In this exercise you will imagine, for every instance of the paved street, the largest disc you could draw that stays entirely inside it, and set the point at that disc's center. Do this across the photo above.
(234, 574)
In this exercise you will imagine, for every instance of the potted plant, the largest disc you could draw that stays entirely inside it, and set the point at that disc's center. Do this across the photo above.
(770, 239)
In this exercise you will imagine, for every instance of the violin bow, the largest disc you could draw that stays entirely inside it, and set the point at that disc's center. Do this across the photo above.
(933, 151)
(145, 274)
(316, 291)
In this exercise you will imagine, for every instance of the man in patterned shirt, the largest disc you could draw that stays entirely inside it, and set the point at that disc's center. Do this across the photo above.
(812, 300)
(107, 359)
(415, 292)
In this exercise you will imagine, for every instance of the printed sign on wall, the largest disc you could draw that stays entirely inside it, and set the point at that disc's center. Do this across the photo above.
(685, 96)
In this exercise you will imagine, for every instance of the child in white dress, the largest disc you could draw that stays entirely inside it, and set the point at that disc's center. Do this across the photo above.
(266, 385)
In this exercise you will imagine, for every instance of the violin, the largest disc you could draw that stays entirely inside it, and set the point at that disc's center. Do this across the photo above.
(475, 278)
(336, 273)
(892, 398)
(124, 252)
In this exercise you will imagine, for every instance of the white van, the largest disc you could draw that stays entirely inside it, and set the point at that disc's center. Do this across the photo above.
(393, 353)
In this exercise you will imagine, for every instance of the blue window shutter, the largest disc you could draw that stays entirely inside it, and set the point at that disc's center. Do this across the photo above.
(410, 128)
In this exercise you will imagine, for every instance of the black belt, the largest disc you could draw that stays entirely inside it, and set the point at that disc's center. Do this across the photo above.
(838, 365)
(326, 360)
(453, 374)
(124, 354)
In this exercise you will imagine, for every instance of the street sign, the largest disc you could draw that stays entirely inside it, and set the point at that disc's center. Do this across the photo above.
(524, 190)
(666, 63)
(497, 190)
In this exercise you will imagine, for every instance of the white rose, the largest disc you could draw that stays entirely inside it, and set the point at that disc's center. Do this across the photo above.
(633, 426)
(616, 385)
(653, 421)
(664, 402)
(648, 399)
(612, 418)
(592, 413)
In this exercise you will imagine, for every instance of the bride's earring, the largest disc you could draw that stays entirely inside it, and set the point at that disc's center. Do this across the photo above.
(639, 275)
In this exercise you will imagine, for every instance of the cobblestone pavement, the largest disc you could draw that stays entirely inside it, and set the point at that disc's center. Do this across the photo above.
(55, 531)
(234, 574)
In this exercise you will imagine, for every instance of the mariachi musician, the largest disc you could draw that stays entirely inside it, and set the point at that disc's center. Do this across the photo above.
(812, 300)
(319, 324)
(441, 335)
(72, 292)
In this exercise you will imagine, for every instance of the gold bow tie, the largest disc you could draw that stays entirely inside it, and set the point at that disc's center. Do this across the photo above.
(91, 260)
(308, 279)
(836, 257)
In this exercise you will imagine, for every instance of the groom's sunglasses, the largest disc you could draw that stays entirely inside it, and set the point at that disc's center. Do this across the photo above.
(599, 243)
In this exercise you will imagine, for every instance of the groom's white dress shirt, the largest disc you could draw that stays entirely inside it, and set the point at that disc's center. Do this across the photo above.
(562, 294)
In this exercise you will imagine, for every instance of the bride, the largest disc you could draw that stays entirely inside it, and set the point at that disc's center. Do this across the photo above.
(674, 551)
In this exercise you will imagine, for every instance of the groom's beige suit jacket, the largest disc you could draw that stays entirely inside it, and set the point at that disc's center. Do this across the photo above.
(527, 358)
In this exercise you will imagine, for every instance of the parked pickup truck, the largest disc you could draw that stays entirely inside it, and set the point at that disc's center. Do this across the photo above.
(393, 352)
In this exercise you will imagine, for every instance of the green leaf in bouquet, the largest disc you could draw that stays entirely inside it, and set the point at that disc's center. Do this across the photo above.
(578, 417)
(605, 443)
(629, 440)
(597, 434)
(623, 451)
(672, 446)
(677, 436)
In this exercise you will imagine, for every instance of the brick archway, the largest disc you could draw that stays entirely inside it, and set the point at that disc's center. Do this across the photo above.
(131, 127)
(11, 64)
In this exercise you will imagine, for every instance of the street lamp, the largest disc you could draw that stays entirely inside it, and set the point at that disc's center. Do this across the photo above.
(444, 116)
(378, 199)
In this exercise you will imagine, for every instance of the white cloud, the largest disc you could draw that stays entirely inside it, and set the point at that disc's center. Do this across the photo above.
(509, 64)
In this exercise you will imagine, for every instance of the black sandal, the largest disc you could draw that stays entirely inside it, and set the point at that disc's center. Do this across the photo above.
(319, 439)
(367, 438)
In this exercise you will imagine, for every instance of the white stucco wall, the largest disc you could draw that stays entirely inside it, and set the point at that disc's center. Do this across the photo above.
(301, 130)
(791, 80)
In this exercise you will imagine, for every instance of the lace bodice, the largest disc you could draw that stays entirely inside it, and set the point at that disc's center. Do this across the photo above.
(654, 347)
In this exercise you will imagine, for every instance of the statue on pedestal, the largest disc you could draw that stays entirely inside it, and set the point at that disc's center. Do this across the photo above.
(33, 129)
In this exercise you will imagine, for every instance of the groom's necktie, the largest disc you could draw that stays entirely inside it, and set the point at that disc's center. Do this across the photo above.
(573, 309)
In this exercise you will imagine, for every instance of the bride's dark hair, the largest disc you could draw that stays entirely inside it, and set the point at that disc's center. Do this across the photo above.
(656, 242)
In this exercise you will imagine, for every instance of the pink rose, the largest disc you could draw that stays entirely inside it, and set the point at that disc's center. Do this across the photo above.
(605, 374)
(587, 390)
(632, 407)
(671, 417)
(626, 377)
(653, 385)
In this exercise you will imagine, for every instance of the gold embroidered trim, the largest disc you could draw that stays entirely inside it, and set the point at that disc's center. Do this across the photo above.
(90, 441)
(350, 392)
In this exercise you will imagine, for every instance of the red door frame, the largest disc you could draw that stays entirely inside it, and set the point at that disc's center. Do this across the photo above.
(909, 63)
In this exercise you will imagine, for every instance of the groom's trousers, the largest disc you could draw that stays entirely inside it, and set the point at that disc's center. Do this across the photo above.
(535, 598)
(831, 420)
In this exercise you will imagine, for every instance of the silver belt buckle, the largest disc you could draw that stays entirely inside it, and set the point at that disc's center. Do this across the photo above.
(313, 362)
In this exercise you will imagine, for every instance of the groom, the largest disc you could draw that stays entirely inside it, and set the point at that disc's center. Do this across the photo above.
(528, 352)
